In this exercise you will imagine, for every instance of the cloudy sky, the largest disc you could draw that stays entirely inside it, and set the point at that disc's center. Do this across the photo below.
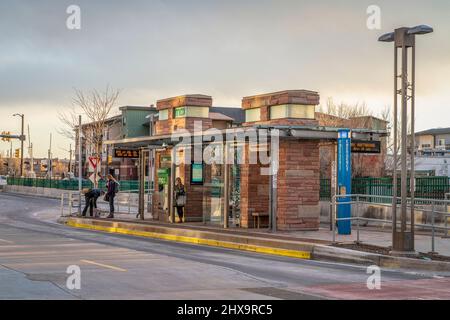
(152, 49)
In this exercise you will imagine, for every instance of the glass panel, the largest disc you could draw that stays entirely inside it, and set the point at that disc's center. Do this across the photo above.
(197, 112)
(252, 115)
(163, 114)
(301, 111)
(213, 189)
(278, 112)
(191, 111)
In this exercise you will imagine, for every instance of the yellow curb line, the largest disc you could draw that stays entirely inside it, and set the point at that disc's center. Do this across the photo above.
(213, 243)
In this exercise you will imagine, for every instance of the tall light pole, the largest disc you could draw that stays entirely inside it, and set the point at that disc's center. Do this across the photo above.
(22, 138)
(405, 40)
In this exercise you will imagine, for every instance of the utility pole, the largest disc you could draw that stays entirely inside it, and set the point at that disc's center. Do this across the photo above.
(80, 184)
(22, 138)
(30, 153)
(70, 158)
(49, 166)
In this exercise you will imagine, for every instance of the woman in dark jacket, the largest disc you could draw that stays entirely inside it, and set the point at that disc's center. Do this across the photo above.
(180, 198)
(112, 186)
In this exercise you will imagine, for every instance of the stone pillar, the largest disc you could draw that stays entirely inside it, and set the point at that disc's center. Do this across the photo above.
(299, 164)
(182, 113)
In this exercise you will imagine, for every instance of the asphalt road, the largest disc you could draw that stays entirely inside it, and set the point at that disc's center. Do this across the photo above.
(35, 253)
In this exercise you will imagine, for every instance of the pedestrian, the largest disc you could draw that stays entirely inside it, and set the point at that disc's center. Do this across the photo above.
(113, 188)
(91, 196)
(180, 198)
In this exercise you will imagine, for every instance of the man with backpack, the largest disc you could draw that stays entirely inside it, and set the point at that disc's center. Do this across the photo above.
(113, 189)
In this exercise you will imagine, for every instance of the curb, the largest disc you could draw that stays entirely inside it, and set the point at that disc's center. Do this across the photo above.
(283, 248)
(134, 231)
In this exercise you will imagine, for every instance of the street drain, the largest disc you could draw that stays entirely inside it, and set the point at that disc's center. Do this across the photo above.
(282, 294)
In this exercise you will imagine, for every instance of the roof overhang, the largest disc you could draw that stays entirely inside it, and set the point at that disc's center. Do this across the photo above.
(286, 132)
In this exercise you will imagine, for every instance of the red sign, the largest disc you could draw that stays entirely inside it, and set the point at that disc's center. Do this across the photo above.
(93, 161)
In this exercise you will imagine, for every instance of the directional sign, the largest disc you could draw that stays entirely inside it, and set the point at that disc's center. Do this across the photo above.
(359, 146)
(126, 153)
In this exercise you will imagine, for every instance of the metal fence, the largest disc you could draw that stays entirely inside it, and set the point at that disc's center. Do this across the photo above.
(425, 187)
(439, 209)
(71, 185)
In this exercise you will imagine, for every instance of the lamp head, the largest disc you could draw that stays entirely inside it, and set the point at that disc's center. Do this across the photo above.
(388, 37)
(421, 29)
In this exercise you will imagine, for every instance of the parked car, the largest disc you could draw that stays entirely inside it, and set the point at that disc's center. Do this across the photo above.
(3, 181)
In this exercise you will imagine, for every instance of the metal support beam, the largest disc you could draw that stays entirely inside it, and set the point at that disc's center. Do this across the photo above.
(171, 185)
(226, 186)
(142, 163)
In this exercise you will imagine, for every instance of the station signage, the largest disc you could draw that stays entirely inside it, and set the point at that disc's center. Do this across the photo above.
(126, 153)
(360, 146)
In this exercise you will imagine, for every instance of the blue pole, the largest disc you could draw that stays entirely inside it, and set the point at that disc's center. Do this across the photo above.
(344, 180)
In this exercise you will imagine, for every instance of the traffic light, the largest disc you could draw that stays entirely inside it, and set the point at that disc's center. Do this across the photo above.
(6, 133)
(17, 153)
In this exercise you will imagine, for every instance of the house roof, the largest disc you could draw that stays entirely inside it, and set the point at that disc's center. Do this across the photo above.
(237, 114)
(433, 131)
(219, 116)
(143, 108)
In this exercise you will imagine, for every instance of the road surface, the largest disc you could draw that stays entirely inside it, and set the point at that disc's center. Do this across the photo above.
(35, 253)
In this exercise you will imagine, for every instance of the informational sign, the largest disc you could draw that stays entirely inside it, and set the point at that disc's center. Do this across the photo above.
(359, 146)
(126, 153)
(197, 173)
(163, 176)
(165, 161)
(344, 181)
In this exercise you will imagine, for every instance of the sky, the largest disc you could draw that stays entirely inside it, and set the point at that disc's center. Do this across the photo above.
(154, 49)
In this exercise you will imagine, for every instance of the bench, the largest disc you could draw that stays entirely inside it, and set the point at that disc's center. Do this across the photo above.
(257, 218)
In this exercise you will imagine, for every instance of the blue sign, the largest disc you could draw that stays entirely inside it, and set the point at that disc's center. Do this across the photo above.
(344, 181)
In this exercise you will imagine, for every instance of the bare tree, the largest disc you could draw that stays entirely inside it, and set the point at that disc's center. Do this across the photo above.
(346, 115)
(388, 116)
(96, 106)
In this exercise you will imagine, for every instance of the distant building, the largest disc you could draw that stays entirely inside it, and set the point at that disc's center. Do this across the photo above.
(433, 142)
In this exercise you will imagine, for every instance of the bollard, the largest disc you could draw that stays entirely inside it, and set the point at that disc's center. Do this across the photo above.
(357, 219)
(333, 222)
(62, 204)
(432, 229)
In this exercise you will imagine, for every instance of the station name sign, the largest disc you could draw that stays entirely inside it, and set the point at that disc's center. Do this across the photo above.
(359, 146)
(126, 153)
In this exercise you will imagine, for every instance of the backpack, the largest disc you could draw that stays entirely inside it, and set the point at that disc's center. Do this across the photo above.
(116, 187)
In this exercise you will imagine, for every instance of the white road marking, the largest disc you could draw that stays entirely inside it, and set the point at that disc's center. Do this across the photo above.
(104, 265)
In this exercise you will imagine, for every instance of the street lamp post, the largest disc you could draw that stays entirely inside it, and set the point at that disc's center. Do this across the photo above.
(405, 40)
(22, 138)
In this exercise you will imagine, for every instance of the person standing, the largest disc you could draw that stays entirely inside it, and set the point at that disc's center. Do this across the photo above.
(180, 198)
(113, 187)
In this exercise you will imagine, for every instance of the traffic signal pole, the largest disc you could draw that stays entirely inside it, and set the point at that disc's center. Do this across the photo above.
(22, 138)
